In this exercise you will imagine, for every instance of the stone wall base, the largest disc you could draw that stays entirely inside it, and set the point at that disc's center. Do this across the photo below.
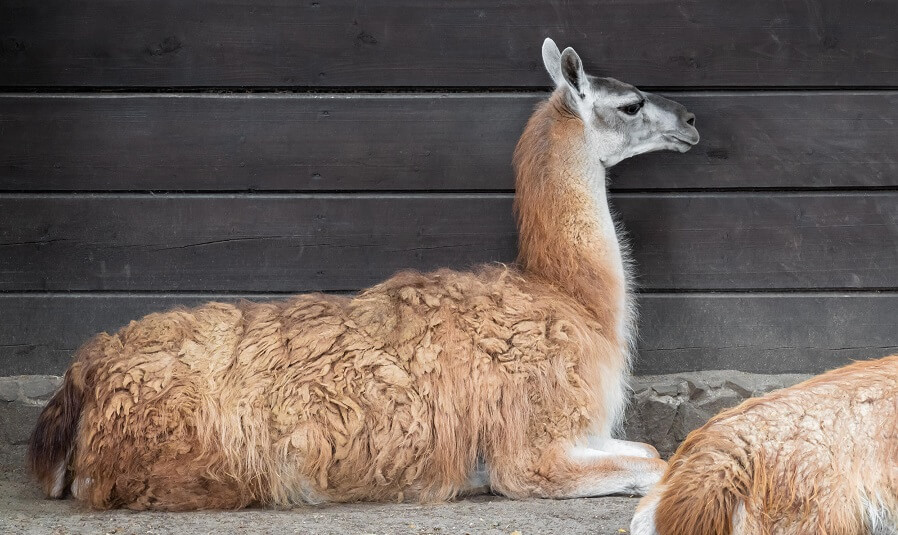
(664, 408)
(21, 399)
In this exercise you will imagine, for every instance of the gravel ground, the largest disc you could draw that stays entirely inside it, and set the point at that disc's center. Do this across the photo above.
(24, 510)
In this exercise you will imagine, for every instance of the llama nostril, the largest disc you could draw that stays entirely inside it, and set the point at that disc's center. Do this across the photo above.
(691, 120)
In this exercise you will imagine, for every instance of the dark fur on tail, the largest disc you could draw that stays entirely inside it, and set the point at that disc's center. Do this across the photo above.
(53, 439)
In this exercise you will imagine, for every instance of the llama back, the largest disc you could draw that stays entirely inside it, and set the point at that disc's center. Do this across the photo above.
(813, 458)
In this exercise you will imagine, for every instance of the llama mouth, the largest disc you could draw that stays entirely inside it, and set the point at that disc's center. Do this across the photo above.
(682, 143)
(678, 139)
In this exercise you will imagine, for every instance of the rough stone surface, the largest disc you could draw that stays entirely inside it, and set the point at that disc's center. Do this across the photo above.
(665, 408)
(21, 400)
(28, 388)
(16, 421)
(9, 389)
(39, 386)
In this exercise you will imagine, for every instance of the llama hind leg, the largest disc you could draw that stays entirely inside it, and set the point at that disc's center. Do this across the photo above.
(578, 472)
(176, 484)
(623, 447)
(600, 473)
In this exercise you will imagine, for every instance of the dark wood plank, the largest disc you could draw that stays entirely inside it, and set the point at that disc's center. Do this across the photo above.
(420, 142)
(260, 142)
(338, 43)
(237, 243)
(764, 333)
(778, 333)
(764, 240)
(242, 243)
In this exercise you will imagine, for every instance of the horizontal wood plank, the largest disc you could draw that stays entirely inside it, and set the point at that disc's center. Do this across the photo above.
(420, 142)
(779, 333)
(339, 43)
(764, 333)
(237, 243)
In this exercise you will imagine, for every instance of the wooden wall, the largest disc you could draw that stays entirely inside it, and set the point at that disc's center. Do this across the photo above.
(171, 152)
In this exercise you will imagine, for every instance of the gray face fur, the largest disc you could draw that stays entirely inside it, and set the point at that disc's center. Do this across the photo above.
(621, 121)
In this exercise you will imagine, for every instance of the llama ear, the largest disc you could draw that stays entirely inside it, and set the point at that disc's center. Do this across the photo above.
(572, 70)
(552, 60)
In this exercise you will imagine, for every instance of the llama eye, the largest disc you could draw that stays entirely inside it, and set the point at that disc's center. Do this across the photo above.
(632, 109)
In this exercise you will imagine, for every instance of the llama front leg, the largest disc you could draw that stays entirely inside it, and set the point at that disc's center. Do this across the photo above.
(578, 472)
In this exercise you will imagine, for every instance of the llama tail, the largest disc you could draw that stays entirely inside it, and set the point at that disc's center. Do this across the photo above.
(53, 439)
(699, 495)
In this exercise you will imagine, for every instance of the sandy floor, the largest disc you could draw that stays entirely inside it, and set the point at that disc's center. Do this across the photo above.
(23, 510)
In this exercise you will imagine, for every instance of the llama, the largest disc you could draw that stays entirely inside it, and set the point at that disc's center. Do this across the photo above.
(816, 458)
(424, 387)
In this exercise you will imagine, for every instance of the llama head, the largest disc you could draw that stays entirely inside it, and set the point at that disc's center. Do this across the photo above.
(620, 120)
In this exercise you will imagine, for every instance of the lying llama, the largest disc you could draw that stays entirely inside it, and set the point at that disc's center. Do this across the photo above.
(816, 458)
(423, 387)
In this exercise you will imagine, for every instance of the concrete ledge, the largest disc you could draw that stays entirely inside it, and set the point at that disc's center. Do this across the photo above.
(664, 408)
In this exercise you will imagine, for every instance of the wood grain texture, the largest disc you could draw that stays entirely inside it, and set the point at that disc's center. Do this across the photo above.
(350, 142)
(338, 43)
(764, 333)
(242, 243)
(775, 333)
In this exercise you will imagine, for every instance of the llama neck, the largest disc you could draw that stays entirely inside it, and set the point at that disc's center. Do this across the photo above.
(567, 236)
